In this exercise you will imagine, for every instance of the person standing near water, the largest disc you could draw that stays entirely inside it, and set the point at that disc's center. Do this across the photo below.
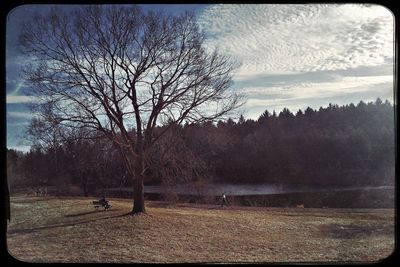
(223, 200)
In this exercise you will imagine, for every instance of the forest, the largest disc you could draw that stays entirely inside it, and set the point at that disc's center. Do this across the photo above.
(349, 145)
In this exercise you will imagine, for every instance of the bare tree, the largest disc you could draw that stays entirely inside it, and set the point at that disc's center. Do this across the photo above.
(45, 132)
(117, 68)
(87, 154)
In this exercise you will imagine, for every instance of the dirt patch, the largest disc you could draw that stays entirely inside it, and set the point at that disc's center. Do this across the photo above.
(354, 231)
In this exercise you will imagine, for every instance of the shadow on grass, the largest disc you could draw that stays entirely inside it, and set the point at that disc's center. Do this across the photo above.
(33, 230)
(90, 212)
(162, 204)
(29, 199)
(159, 204)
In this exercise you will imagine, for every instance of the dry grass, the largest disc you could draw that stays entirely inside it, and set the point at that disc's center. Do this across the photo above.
(70, 230)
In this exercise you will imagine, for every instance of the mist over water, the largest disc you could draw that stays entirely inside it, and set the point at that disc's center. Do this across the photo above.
(245, 189)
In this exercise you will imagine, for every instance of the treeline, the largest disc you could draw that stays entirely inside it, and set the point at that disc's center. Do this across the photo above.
(350, 145)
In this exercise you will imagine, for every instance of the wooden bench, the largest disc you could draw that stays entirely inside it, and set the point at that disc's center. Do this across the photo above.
(102, 203)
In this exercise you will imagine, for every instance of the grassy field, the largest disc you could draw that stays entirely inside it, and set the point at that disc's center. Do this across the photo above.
(70, 230)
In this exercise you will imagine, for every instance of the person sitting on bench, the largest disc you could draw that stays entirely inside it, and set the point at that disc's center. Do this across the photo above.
(102, 202)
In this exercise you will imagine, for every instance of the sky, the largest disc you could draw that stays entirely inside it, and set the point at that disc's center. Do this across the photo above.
(293, 56)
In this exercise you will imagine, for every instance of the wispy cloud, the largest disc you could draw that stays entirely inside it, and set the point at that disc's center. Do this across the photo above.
(19, 114)
(300, 38)
(18, 99)
(314, 95)
(22, 148)
(17, 88)
(346, 85)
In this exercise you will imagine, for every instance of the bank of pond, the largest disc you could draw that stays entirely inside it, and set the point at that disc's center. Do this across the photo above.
(273, 196)
(265, 195)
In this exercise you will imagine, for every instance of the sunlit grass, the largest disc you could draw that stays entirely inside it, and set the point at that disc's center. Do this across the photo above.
(71, 230)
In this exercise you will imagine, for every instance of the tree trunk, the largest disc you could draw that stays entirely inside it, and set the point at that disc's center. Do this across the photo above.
(138, 187)
(138, 195)
(85, 190)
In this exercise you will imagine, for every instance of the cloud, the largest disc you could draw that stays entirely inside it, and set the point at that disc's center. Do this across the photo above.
(300, 38)
(19, 85)
(18, 124)
(316, 94)
(19, 114)
(17, 99)
(21, 148)
(296, 56)
(310, 89)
